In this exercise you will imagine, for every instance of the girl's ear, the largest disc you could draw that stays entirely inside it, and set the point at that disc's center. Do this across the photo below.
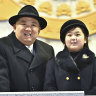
(85, 40)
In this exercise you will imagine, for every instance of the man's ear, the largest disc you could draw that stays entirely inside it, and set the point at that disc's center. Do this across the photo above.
(14, 26)
(39, 30)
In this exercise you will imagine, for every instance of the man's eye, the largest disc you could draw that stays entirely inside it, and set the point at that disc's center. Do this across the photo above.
(23, 24)
(34, 25)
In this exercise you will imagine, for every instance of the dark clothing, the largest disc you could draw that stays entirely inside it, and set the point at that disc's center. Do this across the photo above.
(18, 72)
(65, 73)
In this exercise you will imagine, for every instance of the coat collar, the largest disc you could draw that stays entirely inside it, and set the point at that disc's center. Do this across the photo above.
(41, 55)
(22, 52)
(83, 58)
(66, 62)
(20, 49)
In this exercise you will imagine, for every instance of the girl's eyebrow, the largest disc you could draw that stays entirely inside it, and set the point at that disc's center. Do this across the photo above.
(75, 32)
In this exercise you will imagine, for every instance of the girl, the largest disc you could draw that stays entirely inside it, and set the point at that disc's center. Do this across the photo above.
(74, 68)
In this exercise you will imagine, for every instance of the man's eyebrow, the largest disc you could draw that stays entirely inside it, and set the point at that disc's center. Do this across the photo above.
(23, 21)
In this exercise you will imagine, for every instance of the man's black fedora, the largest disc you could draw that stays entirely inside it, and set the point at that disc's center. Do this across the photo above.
(28, 11)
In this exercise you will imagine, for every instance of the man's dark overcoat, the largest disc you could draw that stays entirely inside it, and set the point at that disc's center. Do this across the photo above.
(18, 71)
(68, 74)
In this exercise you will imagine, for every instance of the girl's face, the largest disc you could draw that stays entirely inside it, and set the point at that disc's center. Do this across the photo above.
(75, 39)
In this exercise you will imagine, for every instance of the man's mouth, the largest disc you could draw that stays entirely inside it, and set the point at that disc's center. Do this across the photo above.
(27, 34)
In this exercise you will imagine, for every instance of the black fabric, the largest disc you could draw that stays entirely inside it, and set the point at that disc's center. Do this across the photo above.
(66, 76)
(76, 59)
(28, 11)
(18, 72)
(74, 54)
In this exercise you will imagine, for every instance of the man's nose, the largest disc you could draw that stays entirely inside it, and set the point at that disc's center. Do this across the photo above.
(28, 28)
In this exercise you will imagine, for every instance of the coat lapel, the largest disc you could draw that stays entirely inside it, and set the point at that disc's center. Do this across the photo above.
(65, 61)
(41, 56)
(25, 55)
(85, 61)
(20, 50)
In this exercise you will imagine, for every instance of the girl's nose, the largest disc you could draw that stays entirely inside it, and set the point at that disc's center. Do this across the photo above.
(73, 37)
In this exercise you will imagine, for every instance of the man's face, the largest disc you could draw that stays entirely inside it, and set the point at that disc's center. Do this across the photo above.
(27, 30)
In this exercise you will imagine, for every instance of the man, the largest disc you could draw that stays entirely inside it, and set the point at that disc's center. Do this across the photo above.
(23, 58)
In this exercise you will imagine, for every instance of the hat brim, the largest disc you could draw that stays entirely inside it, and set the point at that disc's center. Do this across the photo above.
(67, 28)
(42, 21)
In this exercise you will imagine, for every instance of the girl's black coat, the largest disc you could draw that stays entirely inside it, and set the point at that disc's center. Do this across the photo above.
(62, 72)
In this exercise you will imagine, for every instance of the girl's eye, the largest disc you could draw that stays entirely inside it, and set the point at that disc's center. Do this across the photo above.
(23, 24)
(77, 34)
(69, 35)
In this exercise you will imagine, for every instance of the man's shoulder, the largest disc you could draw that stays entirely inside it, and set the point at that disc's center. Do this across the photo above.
(7, 38)
(4, 39)
(43, 43)
(44, 47)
